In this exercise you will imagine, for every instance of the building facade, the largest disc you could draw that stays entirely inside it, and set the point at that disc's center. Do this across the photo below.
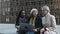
(16, 5)
(4, 11)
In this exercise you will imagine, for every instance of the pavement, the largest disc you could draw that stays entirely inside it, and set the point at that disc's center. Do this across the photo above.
(10, 29)
(7, 29)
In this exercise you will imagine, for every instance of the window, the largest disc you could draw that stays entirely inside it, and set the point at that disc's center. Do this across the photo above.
(8, 9)
(39, 2)
(21, 3)
(3, 13)
(3, 9)
(58, 20)
(7, 19)
(33, 3)
(11, 9)
(27, 3)
(17, 3)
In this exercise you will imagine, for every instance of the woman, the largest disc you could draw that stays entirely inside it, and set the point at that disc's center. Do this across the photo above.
(35, 21)
(48, 21)
(20, 19)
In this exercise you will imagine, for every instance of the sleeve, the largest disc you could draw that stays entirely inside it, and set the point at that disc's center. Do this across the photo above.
(38, 29)
(53, 23)
(39, 23)
(17, 21)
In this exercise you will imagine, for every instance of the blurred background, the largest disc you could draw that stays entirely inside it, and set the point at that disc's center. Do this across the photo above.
(10, 8)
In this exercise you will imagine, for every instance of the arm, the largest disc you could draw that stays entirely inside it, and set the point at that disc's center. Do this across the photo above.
(38, 29)
(17, 23)
(53, 23)
(39, 23)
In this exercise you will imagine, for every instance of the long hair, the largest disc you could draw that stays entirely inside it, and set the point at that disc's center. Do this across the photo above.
(18, 16)
(31, 13)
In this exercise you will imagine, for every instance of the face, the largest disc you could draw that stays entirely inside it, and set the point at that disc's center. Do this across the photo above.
(34, 13)
(44, 12)
(23, 13)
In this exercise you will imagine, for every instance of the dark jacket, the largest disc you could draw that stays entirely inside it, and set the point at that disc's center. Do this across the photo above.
(38, 22)
(21, 20)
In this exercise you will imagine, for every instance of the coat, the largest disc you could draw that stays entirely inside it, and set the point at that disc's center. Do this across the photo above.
(38, 22)
(21, 20)
(49, 22)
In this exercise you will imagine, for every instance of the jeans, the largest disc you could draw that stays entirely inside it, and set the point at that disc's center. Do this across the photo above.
(29, 32)
(24, 32)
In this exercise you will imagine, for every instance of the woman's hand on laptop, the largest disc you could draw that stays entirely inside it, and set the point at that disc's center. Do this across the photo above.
(35, 30)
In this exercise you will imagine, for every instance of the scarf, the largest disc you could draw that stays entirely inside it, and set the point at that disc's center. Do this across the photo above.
(32, 21)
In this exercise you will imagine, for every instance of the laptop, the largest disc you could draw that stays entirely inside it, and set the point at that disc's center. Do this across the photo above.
(26, 27)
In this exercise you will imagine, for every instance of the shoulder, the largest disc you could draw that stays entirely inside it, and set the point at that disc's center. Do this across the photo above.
(29, 18)
(39, 17)
(52, 16)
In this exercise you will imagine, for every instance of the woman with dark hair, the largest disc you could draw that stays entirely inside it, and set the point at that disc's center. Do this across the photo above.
(20, 19)
(20, 16)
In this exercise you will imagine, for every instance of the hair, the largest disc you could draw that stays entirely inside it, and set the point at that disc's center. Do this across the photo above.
(18, 16)
(45, 7)
(34, 9)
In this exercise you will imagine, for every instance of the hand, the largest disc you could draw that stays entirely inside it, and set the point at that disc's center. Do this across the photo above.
(17, 27)
(35, 30)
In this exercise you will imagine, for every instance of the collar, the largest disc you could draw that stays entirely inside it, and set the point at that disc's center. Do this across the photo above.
(47, 14)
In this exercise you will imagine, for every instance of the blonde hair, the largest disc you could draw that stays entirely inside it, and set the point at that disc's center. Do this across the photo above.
(34, 9)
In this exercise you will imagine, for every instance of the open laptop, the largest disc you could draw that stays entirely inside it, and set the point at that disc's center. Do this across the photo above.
(26, 26)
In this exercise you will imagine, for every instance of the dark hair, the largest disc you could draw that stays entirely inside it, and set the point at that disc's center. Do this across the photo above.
(18, 16)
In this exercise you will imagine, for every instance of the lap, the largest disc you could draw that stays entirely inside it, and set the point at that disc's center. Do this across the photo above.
(37, 32)
(47, 32)
(29, 32)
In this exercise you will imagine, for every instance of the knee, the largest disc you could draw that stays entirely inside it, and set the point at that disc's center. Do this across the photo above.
(42, 30)
(46, 32)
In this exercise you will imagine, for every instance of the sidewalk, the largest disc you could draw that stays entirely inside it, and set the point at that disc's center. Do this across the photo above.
(10, 29)
(7, 28)
(58, 29)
